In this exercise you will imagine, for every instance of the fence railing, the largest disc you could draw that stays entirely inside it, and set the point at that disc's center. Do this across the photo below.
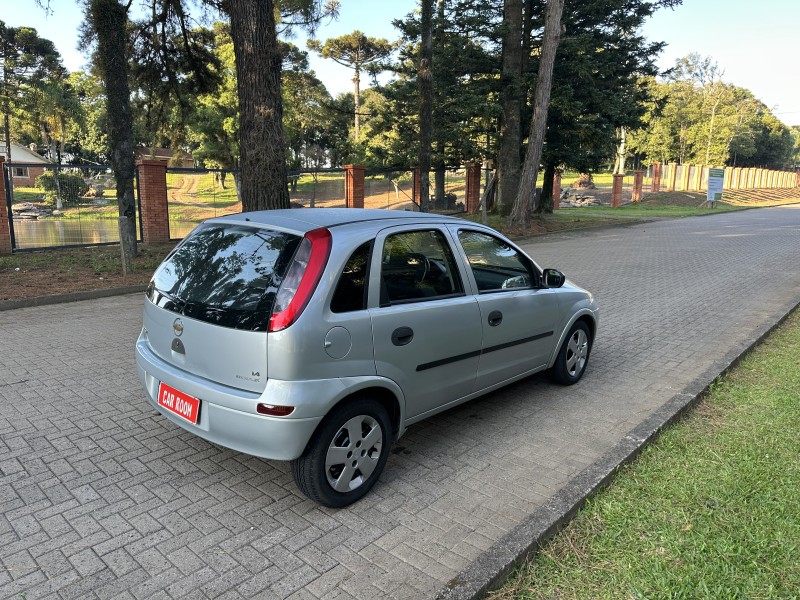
(54, 205)
(49, 205)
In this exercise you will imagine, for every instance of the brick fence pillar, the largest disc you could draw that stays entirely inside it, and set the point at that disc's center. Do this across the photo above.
(5, 224)
(472, 193)
(685, 171)
(656, 177)
(616, 191)
(638, 180)
(557, 189)
(354, 186)
(416, 186)
(153, 200)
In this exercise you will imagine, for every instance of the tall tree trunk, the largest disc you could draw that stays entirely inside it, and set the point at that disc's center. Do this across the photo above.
(521, 213)
(425, 83)
(109, 20)
(357, 102)
(711, 130)
(258, 68)
(438, 183)
(511, 98)
(6, 109)
(547, 187)
(61, 143)
(7, 128)
(619, 164)
(51, 150)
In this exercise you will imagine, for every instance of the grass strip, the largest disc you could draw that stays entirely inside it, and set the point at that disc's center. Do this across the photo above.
(710, 510)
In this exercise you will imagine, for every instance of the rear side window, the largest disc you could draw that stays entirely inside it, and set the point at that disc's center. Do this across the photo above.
(225, 274)
(351, 291)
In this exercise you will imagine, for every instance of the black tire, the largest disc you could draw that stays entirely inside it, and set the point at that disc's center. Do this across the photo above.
(573, 356)
(362, 429)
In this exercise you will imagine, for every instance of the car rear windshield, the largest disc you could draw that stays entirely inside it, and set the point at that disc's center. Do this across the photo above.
(223, 274)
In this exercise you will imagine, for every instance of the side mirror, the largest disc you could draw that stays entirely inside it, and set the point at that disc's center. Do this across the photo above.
(553, 278)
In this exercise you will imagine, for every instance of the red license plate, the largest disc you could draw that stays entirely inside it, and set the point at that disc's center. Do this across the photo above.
(178, 403)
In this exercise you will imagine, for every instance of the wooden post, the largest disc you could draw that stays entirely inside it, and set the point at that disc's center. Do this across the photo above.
(6, 247)
(616, 191)
(153, 200)
(638, 180)
(354, 186)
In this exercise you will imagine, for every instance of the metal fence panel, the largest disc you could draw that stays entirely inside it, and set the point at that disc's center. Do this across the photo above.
(317, 189)
(393, 190)
(194, 195)
(57, 205)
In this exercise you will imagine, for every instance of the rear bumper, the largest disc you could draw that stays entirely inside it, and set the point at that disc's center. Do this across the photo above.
(228, 415)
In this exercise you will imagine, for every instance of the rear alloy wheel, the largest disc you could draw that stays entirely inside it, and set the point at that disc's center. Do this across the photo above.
(346, 455)
(573, 355)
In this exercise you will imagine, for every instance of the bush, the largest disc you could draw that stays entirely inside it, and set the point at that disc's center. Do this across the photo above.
(72, 187)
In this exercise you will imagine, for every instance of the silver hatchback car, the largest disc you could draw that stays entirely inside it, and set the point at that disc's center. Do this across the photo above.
(318, 336)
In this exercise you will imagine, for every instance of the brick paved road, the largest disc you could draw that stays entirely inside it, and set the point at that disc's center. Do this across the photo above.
(102, 498)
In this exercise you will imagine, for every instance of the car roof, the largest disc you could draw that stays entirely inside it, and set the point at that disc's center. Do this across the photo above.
(305, 219)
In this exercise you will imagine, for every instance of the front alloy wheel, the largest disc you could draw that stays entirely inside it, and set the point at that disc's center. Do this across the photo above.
(573, 355)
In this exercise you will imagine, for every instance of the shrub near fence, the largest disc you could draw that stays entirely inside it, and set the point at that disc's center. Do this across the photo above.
(62, 188)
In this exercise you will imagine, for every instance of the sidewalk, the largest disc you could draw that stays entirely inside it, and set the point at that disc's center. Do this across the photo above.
(102, 498)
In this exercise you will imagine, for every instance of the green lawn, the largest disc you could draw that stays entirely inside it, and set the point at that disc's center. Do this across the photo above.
(710, 510)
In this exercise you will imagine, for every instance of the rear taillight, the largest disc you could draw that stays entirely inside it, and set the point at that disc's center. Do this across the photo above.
(274, 410)
(301, 278)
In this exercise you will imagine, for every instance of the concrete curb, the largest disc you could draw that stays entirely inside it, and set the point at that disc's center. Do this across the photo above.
(492, 567)
(72, 297)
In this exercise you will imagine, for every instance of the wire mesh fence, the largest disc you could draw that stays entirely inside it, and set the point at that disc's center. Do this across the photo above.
(393, 190)
(194, 195)
(323, 188)
(53, 205)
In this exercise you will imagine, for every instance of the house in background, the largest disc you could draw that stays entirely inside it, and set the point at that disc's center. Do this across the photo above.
(175, 158)
(24, 176)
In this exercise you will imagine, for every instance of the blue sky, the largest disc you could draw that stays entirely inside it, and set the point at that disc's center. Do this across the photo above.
(756, 43)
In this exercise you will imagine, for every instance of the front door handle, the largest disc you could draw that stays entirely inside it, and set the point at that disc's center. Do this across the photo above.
(495, 318)
(402, 336)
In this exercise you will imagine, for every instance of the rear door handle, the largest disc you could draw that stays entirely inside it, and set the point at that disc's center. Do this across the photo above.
(495, 318)
(402, 336)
